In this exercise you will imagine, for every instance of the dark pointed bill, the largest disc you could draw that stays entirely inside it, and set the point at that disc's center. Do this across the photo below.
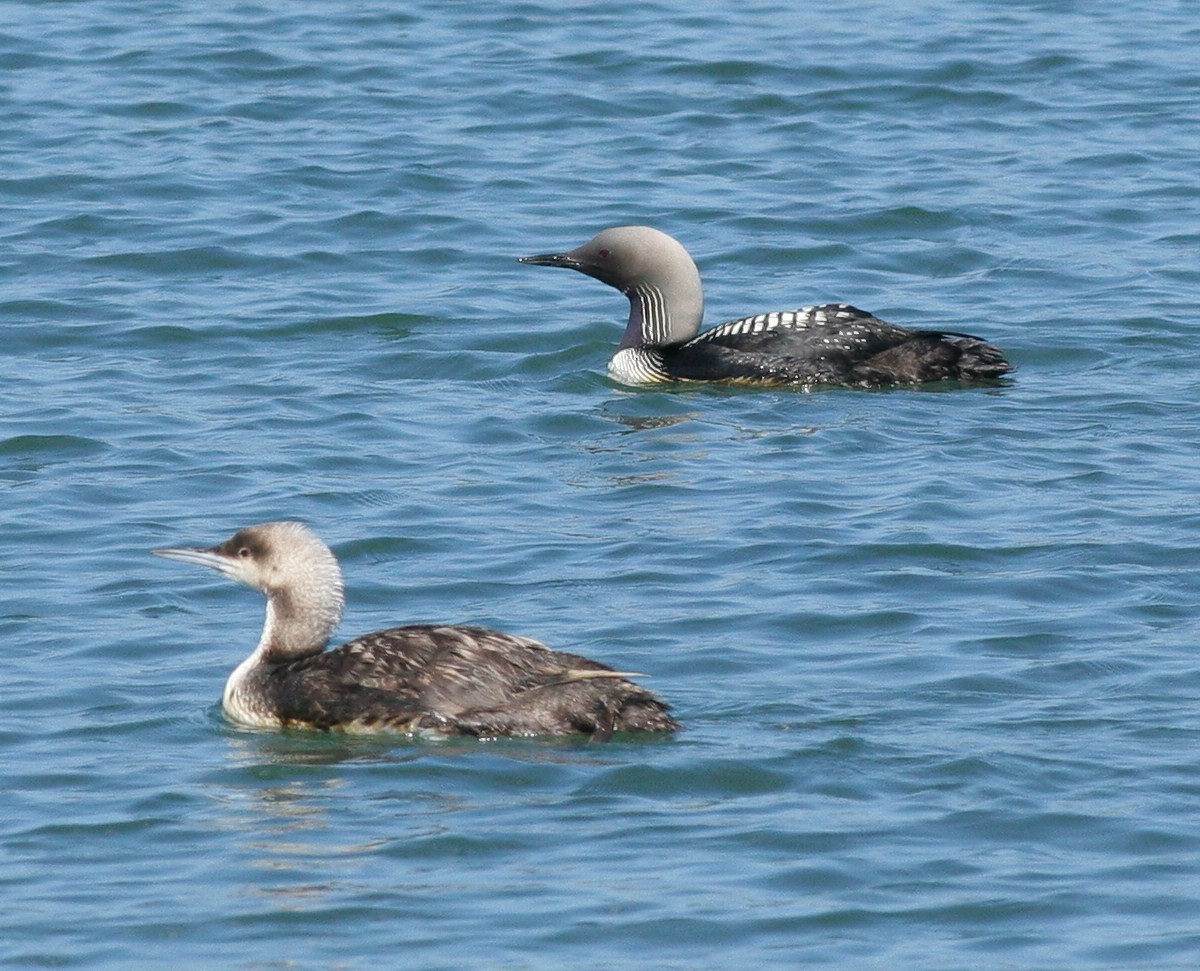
(551, 259)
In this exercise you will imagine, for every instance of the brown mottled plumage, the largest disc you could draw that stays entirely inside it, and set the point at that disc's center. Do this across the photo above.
(419, 679)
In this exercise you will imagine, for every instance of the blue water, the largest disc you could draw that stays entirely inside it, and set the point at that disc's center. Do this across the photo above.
(935, 650)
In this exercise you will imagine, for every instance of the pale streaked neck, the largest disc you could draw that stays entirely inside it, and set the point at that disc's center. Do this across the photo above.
(298, 623)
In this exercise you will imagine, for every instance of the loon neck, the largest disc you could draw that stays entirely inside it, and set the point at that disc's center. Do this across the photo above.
(297, 625)
(294, 628)
(660, 317)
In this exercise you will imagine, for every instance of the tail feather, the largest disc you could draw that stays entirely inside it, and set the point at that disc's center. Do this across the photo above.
(980, 359)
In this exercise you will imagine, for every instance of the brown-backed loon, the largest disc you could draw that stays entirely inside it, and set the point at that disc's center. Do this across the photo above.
(830, 344)
(429, 680)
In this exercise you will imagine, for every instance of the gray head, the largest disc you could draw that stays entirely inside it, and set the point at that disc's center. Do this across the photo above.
(666, 301)
(297, 572)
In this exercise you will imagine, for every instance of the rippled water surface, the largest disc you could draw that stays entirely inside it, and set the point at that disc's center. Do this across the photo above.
(935, 650)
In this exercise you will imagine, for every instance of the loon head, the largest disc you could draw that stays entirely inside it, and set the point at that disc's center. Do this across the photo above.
(286, 562)
(660, 278)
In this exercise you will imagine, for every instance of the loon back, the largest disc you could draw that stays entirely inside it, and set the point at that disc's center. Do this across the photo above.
(451, 680)
(833, 344)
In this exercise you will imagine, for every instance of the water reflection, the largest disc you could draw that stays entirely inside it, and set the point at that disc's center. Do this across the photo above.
(642, 423)
(315, 818)
(307, 837)
(270, 754)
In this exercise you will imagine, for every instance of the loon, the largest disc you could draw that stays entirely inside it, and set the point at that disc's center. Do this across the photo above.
(421, 680)
(830, 344)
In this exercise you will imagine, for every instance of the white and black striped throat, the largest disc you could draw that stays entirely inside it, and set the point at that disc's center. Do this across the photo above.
(651, 306)
(638, 365)
(804, 318)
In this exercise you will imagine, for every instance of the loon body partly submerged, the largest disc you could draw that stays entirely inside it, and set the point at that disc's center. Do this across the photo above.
(440, 680)
(831, 344)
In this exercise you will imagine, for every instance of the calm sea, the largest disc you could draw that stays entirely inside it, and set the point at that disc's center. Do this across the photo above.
(936, 651)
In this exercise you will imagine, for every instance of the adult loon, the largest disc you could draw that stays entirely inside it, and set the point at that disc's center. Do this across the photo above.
(435, 680)
(831, 344)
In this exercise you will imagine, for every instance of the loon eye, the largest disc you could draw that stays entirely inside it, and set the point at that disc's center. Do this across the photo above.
(604, 254)
(244, 552)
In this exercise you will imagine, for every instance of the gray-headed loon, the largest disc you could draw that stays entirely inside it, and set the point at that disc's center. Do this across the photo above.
(431, 680)
(831, 344)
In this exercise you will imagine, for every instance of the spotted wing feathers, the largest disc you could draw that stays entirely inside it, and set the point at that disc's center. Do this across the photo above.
(833, 344)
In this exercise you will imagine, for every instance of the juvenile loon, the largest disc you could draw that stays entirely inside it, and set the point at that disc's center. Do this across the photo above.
(832, 344)
(437, 680)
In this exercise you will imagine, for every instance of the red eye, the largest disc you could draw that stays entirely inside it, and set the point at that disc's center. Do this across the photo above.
(244, 552)
(604, 254)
